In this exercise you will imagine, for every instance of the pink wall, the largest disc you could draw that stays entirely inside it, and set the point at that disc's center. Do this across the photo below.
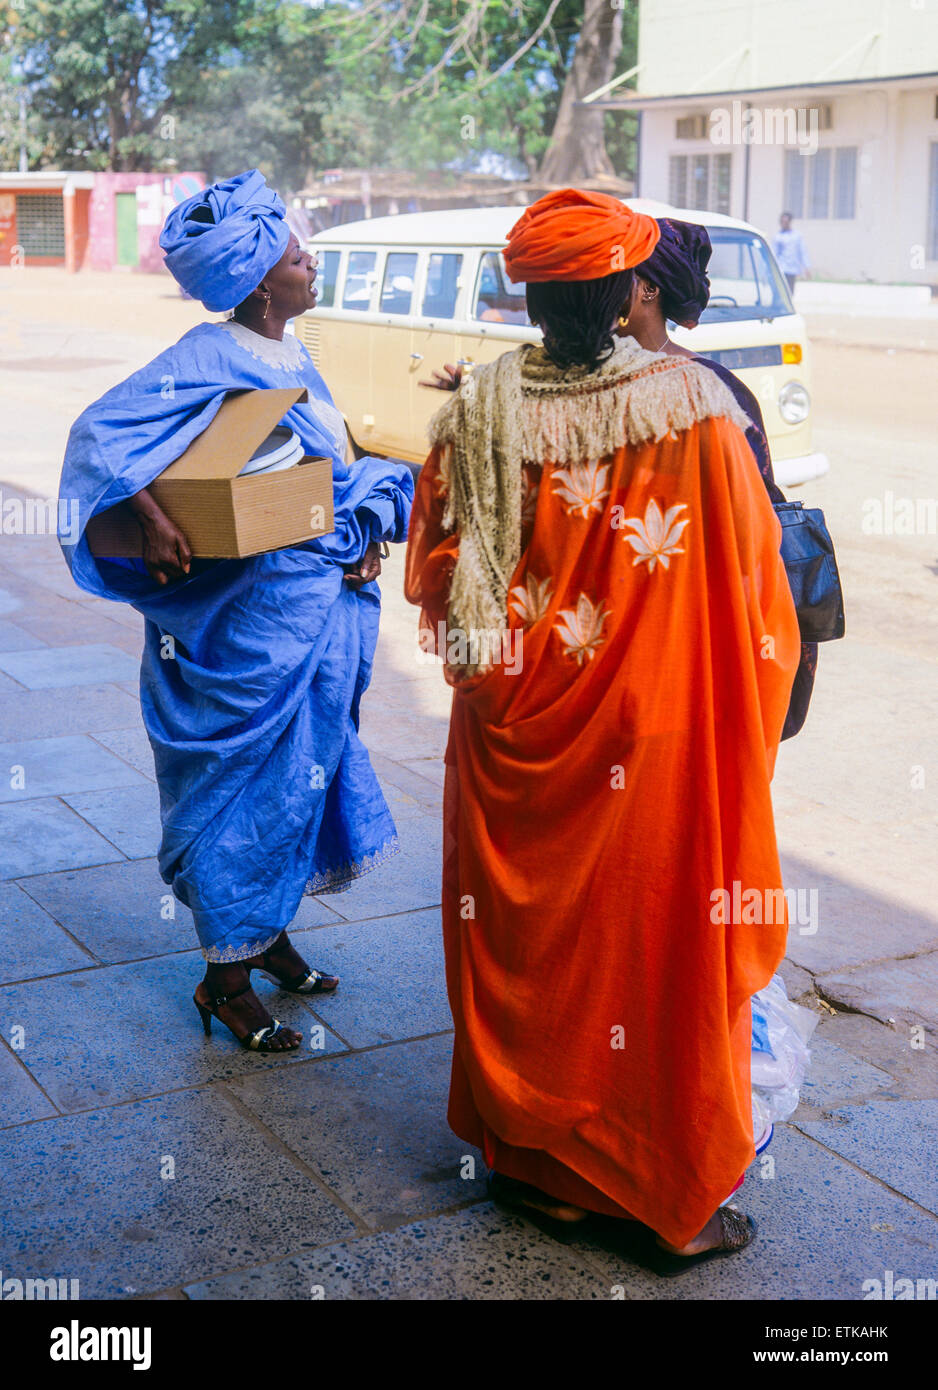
(152, 206)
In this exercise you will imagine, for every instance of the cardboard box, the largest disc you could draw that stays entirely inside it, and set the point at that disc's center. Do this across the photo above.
(221, 515)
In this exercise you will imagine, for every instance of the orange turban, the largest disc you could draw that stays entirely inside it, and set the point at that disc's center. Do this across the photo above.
(575, 235)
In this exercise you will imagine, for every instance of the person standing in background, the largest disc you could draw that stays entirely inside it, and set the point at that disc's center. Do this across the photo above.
(789, 251)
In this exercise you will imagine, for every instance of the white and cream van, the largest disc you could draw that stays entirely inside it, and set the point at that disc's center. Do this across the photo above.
(399, 296)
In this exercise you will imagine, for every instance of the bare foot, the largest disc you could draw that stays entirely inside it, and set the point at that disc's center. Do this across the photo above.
(717, 1234)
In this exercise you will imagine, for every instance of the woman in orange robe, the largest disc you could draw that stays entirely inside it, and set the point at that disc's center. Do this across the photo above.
(597, 561)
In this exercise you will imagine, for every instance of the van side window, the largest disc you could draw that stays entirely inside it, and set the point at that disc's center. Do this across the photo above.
(326, 276)
(398, 288)
(497, 299)
(359, 279)
(439, 297)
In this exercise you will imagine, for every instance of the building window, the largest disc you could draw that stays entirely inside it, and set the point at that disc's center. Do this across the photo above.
(677, 180)
(720, 188)
(700, 181)
(933, 207)
(820, 183)
(40, 224)
(845, 182)
(823, 184)
(794, 183)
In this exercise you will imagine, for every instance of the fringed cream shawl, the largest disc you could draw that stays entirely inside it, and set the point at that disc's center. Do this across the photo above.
(523, 409)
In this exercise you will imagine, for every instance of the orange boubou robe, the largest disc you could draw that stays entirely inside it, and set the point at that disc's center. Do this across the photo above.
(596, 802)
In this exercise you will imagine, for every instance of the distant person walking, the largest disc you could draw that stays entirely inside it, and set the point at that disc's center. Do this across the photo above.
(789, 251)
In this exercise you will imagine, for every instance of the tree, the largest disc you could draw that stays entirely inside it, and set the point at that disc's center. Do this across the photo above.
(577, 149)
(101, 77)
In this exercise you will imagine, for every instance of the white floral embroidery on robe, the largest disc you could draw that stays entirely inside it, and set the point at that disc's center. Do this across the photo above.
(656, 538)
(581, 629)
(583, 486)
(531, 601)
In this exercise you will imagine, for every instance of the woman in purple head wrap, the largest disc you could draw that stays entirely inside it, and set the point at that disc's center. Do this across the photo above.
(253, 669)
(672, 286)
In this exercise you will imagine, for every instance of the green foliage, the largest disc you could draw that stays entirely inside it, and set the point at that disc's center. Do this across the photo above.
(293, 87)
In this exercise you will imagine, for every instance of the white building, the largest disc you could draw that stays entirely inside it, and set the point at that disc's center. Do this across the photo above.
(825, 108)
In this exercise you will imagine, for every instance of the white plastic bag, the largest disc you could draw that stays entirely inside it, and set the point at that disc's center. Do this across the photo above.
(780, 1056)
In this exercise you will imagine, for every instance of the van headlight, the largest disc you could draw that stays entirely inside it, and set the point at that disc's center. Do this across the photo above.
(794, 403)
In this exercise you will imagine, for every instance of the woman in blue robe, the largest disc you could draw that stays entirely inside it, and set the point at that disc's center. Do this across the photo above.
(253, 669)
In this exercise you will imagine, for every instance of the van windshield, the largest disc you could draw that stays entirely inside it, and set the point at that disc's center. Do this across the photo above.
(745, 282)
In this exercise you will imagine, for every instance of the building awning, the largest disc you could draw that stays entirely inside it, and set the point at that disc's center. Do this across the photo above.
(635, 101)
(36, 181)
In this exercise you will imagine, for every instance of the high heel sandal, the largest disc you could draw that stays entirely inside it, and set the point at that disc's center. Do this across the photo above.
(258, 1041)
(308, 982)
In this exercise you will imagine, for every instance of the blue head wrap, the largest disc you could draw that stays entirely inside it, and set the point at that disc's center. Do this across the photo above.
(221, 242)
(678, 266)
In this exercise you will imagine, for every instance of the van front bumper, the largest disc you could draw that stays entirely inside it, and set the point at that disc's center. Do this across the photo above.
(804, 468)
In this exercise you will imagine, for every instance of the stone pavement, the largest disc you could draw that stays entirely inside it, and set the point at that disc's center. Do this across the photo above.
(148, 1161)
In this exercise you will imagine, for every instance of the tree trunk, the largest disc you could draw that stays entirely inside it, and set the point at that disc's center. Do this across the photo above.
(577, 148)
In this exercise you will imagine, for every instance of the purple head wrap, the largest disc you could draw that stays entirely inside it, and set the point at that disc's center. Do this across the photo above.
(678, 266)
(221, 242)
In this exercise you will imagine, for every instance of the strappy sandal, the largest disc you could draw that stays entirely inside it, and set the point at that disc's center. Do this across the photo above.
(738, 1232)
(258, 1041)
(308, 982)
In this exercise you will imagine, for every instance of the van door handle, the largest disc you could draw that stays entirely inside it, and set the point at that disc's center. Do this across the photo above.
(416, 356)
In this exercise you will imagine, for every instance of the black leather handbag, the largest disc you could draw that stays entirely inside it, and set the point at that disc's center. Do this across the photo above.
(808, 557)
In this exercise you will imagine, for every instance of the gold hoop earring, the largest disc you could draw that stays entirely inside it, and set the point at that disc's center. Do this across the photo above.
(623, 323)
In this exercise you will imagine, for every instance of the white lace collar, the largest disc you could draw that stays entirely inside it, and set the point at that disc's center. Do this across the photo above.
(286, 355)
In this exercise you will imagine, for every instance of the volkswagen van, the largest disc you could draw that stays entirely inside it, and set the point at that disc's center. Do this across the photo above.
(400, 296)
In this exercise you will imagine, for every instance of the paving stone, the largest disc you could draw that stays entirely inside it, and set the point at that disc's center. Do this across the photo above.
(373, 1125)
(38, 837)
(20, 1097)
(835, 1075)
(7, 684)
(55, 766)
(409, 881)
(132, 1031)
(17, 639)
(132, 745)
(892, 1139)
(903, 990)
(393, 984)
(129, 817)
(479, 1254)
(77, 709)
(104, 1214)
(118, 911)
(912, 1069)
(823, 1231)
(74, 625)
(53, 667)
(851, 914)
(400, 734)
(31, 943)
(432, 769)
(8, 602)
